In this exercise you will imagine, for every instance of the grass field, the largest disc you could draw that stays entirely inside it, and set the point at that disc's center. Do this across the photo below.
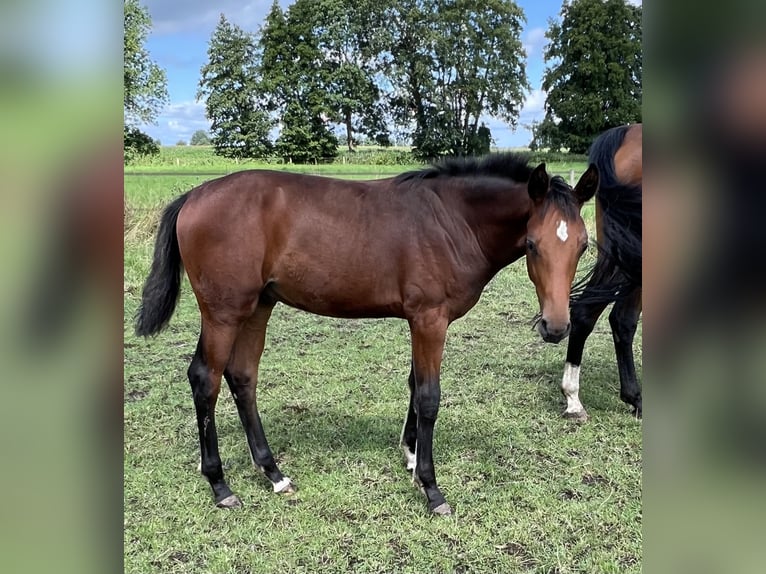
(531, 492)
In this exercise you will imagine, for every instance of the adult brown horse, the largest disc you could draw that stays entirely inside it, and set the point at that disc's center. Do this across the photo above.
(616, 275)
(420, 246)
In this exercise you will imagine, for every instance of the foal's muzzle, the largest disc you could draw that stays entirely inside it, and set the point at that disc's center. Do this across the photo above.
(551, 333)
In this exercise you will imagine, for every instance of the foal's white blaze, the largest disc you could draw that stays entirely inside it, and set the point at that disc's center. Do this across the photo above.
(561, 230)
(570, 385)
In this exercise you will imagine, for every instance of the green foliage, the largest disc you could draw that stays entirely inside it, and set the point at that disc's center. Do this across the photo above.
(453, 61)
(296, 79)
(540, 156)
(200, 137)
(370, 161)
(377, 156)
(305, 137)
(231, 88)
(144, 83)
(137, 145)
(349, 35)
(594, 80)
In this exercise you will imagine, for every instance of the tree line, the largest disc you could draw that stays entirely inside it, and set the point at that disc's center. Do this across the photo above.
(422, 71)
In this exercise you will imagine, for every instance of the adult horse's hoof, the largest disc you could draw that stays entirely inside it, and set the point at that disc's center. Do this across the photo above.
(638, 412)
(285, 486)
(442, 510)
(231, 501)
(576, 416)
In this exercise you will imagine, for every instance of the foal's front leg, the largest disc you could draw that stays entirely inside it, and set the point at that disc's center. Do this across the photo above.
(429, 331)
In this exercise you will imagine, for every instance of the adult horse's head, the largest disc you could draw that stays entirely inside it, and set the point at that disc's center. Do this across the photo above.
(556, 239)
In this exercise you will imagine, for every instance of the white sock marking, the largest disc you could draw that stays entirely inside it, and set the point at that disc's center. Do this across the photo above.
(570, 385)
(561, 230)
(282, 484)
(409, 457)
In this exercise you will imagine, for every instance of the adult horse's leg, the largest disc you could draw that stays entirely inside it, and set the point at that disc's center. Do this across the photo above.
(205, 379)
(583, 318)
(410, 428)
(623, 320)
(242, 376)
(429, 330)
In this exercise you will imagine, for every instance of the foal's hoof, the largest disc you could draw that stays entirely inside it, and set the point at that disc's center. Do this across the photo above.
(638, 412)
(442, 510)
(285, 486)
(231, 501)
(576, 416)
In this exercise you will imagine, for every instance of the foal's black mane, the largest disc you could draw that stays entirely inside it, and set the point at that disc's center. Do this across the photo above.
(513, 166)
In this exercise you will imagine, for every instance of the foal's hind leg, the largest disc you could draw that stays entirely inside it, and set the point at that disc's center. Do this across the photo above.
(242, 375)
(624, 320)
(583, 318)
(205, 379)
(410, 428)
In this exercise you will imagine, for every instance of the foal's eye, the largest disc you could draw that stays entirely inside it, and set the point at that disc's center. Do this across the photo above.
(531, 247)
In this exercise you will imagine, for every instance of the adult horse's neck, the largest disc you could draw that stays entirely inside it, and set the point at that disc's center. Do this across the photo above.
(497, 212)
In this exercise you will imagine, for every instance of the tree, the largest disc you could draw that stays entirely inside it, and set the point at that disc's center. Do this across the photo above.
(144, 83)
(230, 84)
(136, 144)
(295, 77)
(594, 82)
(350, 38)
(451, 63)
(200, 137)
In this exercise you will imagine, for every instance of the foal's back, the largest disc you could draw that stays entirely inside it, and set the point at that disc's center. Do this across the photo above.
(329, 246)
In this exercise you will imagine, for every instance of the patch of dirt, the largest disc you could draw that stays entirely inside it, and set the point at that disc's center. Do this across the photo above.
(519, 550)
(134, 396)
(593, 479)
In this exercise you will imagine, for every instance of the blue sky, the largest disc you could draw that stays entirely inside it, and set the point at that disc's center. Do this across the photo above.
(182, 30)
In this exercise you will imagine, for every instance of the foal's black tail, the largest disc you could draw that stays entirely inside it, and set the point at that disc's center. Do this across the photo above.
(617, 271)
(163, 286)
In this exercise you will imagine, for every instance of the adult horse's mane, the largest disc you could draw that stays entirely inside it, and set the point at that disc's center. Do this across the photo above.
(512, 166)
(619, 272)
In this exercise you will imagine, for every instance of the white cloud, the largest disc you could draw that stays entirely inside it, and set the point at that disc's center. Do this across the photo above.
(185, 16)
(178, 121)
(533, 41)
(533, 108)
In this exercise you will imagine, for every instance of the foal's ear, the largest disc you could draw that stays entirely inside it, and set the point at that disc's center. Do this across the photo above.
(538, 183)
(588, 184)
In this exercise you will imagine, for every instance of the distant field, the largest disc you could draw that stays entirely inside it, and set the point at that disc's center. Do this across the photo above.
(531, 492)
(366, 163)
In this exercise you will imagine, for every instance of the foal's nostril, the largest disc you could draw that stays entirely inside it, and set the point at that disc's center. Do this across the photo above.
(544, 325)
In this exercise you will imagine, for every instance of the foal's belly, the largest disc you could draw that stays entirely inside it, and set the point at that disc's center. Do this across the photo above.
(336, 290)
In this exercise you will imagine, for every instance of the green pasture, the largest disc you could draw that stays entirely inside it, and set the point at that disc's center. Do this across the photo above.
(531, 492)
(366, 163)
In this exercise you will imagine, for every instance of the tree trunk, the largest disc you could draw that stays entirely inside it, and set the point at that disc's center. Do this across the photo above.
(349, 131)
